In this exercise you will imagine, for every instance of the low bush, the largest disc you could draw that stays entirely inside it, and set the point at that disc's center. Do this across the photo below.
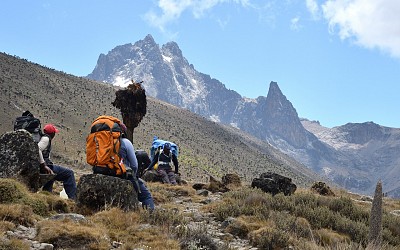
(269, 238)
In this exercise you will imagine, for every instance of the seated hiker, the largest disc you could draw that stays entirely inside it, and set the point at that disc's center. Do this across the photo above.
(163, 158)
(65, 175)
(127, 153)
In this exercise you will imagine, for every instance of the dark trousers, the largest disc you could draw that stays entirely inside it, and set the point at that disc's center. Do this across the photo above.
(66, 176)
(167, 175)
(144, 195)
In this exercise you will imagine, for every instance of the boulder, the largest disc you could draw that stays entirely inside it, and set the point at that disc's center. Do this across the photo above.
(19, 158)
(231, 181)
(274, 183)
(322, 189)
(199, 186)
(153, 176)
(96, 192)
(216, 186)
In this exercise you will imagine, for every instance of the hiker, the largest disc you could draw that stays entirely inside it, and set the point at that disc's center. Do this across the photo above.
(65, 175)
(127, 153)
(163, 158)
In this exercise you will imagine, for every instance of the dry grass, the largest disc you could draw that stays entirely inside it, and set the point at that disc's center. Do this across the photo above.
(70, 234)
(14, 244)
(140, 229)
(243, 225)
(324, 222)
(17, 214)
(302, 221)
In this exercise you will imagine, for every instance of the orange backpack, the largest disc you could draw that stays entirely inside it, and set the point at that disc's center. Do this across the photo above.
(102, 146)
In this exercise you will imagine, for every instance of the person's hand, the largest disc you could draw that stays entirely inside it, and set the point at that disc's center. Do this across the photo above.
(45, 169)
(49, 171)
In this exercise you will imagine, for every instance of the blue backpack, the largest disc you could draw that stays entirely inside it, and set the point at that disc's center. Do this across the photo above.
(158, 144)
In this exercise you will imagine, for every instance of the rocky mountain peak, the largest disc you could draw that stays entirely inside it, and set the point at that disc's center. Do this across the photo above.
(274, 90)
(147, 42)
(360, 133)
(171, 49)
(281, 117)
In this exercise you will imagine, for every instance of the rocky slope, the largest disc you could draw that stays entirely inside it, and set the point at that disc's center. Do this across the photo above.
(72, 103)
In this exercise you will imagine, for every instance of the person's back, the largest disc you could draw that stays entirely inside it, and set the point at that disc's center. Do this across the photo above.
(143, 161)
(127, 153)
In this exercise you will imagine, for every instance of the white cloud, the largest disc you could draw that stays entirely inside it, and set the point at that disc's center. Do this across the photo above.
(313, 8)
(171, 10)
(370, 23)
(295, 24)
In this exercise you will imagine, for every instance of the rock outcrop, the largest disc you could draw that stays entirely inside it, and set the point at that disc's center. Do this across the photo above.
(322, 188)
(19, 158)
(231, 181)
(274, 183)
(96, 192)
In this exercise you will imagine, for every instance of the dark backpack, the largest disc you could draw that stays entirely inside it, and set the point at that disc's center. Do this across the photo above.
(31, 124)
(143, 161)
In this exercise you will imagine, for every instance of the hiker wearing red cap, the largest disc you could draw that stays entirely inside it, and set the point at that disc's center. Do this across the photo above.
(65, 175)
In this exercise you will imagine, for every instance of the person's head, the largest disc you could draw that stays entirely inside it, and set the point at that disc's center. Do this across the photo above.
(167, 147)
(123, 130)
(50, 130)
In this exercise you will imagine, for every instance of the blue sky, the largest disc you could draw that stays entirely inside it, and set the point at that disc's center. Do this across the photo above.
(337, 61)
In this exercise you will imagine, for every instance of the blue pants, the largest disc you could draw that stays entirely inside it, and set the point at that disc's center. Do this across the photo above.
(144, 196)
(66, 176)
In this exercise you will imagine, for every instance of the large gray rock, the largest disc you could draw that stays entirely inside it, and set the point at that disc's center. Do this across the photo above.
(19, 158)
(274, 183)
(97, 192)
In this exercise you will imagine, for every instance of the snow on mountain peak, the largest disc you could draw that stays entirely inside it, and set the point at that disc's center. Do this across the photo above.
(167, 58)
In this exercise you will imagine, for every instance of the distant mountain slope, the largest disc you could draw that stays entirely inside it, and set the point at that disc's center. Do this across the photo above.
(168, 76)
(371, 151)
(71, 103)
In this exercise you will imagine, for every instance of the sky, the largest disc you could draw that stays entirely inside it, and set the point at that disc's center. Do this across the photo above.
(336, 61)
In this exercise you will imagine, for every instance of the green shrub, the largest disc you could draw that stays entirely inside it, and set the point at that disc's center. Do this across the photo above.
(12, 191)
(163, 217)
(197, 238)
(346, 207)
(269, 238)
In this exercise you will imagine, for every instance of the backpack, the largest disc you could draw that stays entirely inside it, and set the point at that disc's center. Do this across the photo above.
(157, 146)
(143, 161)
(102, 147)
(31, 124)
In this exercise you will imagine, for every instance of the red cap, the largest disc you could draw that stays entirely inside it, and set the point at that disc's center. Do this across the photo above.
(50, 129)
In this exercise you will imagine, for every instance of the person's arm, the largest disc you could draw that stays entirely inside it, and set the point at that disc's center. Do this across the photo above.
(43, 144)
(153, 162)
(130, 154)
(175, 161)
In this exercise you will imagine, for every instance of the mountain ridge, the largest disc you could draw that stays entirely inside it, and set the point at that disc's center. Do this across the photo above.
(272, 118)
(72, 103)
